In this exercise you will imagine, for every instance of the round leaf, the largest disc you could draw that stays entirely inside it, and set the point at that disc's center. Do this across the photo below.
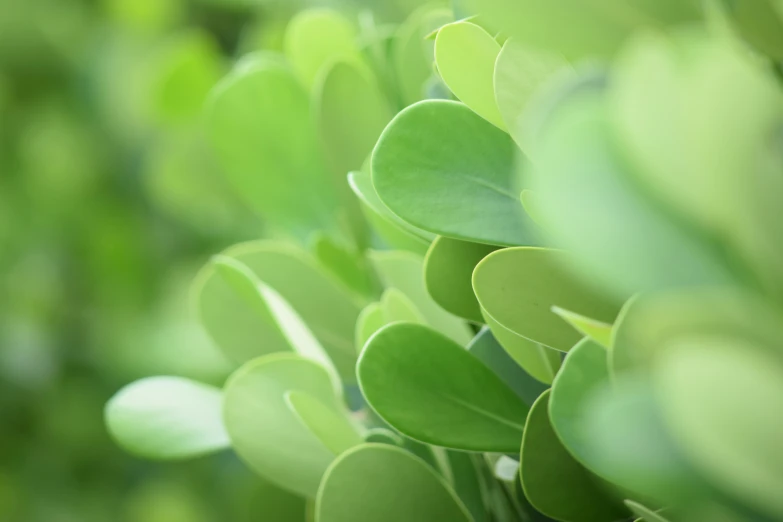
(518, 287)
(167, 418)
(406, 489)
(442, 168)
(266, 433)
(433, 390)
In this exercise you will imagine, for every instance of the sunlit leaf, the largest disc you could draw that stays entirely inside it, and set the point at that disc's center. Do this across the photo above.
(465, 55)
(167, 418)
(518, 287)
(433, 390)
(437, 162)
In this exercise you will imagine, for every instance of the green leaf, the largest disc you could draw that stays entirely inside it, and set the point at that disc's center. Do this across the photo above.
(465, 479)
(518, 287)
(404, 271)
(334, 429)
(584, 371)
(719, 397)
(349, 267)
(538, 361)
(448, 269)
(393, 230)
(264, 431)
(487, 349)
(167, 418)
(383, 436)
(351, 112)
(261, 129)
(621, 239)
(433, 390)
(583, 28)
(646, 514)
(370, 320)
(555, 483)
(396, 307)
(465, 55)
(759, 23)
(437, 161)
(412, 54)
(675, 133)
(598, 331)
(649, 323)
(627, 443)
(243, 333)
(519, 72)
(270, 304)
(316, 37)
(407, 489)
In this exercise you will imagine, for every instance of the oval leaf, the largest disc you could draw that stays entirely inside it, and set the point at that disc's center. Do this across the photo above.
(167, 418)
(264, 431)
(407, 489)
(465, 55)
(261, 128)
(437, 163)
(433, 390)
(518, 287)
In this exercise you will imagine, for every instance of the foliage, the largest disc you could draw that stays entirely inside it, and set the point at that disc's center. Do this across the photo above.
(549, 288)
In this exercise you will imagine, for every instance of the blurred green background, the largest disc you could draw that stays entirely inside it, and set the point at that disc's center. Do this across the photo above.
(109, 202)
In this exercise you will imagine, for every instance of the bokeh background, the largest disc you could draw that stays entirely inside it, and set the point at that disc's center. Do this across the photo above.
(109, 202)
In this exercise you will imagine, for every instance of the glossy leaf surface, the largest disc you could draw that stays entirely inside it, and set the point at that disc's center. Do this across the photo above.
(433, 390)
(442, 168)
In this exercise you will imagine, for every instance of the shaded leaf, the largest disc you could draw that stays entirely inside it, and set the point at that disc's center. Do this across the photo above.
(448, 269)
(555, 483)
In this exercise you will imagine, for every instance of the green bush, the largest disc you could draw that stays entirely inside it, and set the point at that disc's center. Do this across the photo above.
(549, 289)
